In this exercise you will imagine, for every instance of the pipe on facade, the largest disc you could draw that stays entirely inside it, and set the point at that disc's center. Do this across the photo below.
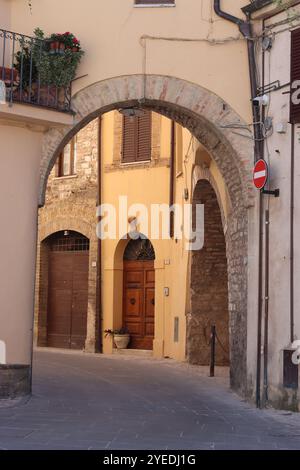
(292, 237)
(172, 168)
(34, 291)
(266, 323)
(99, 249)
(246, 30)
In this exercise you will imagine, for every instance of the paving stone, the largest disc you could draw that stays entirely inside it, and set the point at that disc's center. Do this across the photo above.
(112, 402)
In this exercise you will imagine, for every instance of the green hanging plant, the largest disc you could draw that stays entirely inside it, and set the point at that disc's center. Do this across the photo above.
(56, 67)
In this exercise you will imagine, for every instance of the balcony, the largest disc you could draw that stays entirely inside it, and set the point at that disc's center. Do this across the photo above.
(30, 71)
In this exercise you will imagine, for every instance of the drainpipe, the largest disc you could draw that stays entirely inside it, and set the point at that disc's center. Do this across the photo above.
(172, 176)
(99, 249)
(33, 293)
(292, 240)
(266, 323)
(246, 30)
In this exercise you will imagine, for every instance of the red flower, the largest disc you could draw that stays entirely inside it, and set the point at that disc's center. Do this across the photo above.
(67, 34)
(75, 41)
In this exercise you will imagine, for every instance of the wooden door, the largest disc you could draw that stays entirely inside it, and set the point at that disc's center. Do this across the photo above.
(67, 299)
(139, 302)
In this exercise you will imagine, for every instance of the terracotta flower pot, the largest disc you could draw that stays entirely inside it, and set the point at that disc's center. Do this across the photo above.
(121, 341)
(54, 47)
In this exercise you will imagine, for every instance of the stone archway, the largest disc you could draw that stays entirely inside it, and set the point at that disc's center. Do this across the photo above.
(207, 117)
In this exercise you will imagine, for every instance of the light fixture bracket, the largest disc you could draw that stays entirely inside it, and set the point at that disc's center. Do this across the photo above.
(132, 112)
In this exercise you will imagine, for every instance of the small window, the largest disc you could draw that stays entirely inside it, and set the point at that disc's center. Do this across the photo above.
(155, 2)
(137, 138)
(68, 241)
(67, 160)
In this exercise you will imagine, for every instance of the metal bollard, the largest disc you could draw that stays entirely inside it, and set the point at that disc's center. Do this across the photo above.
(212, 351)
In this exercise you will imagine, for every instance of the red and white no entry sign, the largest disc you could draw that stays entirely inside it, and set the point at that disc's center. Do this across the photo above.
(260, 174)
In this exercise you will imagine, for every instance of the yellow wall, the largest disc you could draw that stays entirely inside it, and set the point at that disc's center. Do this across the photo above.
(148, 185)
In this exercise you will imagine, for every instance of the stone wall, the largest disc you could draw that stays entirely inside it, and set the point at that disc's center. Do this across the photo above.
(70, 205)
(85, 178)
(209, 285)
(14, 381)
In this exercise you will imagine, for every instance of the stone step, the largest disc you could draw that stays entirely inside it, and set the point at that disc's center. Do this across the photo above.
(133, 352)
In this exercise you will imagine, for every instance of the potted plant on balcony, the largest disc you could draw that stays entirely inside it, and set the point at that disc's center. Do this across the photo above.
(120, 336)
(58, 69)
(50, 64)
(71, 42)
(54, 43)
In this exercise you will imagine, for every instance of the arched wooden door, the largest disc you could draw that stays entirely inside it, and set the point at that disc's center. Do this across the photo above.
(139, 293)
(68, 290)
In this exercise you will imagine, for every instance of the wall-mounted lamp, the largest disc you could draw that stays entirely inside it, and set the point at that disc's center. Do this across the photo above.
(131, 112)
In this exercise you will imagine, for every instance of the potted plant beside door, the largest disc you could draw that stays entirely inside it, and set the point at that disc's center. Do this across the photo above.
(120, 336)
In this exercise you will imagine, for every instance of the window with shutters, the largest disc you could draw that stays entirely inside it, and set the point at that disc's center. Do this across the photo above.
(137, 138)
(66, 164)
(295, 75)
(153, 3)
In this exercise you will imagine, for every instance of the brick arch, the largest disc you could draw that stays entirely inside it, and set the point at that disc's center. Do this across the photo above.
(204, 113)
(200, 173)
(208, 117)
(65, 223)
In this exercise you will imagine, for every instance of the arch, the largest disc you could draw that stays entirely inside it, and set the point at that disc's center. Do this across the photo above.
(121, 247)
(139, 249)
(68, 240)
(200, 173)
(204, 113)
(208, 118)
(65, 223)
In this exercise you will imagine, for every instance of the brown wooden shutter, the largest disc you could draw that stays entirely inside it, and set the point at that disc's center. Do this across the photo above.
(137, 138)
(295, 72)
(144, 137)
(129, 139)
(154, 2)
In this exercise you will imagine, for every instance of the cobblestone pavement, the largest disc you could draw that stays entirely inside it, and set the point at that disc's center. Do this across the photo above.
(117, 402)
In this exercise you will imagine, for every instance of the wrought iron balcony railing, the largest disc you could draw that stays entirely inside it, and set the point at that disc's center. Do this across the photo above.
(21, 73)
